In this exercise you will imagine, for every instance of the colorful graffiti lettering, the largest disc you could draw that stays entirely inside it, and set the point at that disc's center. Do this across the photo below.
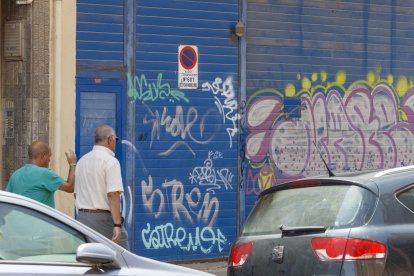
(190, 206)
(367, 126)
(255, 183)
(167, 236)
(228, 108)
(212, 177)
(141, 89)
(177, 125)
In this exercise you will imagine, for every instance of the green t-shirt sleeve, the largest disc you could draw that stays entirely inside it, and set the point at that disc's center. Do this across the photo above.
(9, 187)
(51, 180)
(10, 184)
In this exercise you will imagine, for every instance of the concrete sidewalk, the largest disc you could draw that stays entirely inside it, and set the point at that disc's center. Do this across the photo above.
(214, 266)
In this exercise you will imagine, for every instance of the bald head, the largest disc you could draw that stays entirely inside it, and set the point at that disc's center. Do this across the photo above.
(37, 149)
(39, 154)
(103, 132)
(105, 136)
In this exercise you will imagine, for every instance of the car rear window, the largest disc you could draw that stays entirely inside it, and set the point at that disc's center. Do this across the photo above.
(333, 206)
(407, 198)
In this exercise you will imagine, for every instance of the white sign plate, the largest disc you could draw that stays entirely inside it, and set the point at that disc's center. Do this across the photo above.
(187, 67)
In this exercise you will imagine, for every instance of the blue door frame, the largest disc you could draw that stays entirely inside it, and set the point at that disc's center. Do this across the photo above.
(104, 102)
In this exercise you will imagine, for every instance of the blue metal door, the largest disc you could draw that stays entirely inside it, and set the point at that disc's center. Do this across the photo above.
(97, 105)
(181, 146)
(186, 139)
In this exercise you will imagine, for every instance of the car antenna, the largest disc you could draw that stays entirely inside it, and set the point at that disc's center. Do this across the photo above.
(326, 165)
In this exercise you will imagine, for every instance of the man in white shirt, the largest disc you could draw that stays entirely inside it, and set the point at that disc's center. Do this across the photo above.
(98, 186)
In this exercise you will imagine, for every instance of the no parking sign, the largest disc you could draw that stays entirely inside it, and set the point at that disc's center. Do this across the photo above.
(187, 67)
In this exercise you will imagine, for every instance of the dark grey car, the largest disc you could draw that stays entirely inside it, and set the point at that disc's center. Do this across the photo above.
(358, 224)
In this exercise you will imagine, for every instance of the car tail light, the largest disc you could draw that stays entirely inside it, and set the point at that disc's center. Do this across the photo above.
(333, 249)
(239, 254)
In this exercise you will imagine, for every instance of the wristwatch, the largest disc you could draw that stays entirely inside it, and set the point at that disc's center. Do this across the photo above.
(117, 225)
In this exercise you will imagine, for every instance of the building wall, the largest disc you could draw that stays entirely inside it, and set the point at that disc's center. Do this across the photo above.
(186, 140)
(38, 91)
(1, 101)
(179, 148)
(325, 80)
(63, 92)
(328, 76)
(25, 93)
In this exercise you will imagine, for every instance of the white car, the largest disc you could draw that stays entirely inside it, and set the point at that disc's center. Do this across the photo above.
(38, 240)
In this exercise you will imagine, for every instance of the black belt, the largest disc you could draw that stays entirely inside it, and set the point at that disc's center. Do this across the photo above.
(94, 210)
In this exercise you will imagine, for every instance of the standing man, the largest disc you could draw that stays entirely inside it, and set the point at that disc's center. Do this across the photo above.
(36, 180)
(99, 187)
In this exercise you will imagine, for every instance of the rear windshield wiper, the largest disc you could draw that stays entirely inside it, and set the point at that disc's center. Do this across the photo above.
(286, 230)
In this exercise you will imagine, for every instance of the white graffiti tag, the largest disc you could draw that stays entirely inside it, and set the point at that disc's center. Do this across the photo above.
(190, 206)
(229, 107)
(178, 126)
(166, 236)
(207, 175)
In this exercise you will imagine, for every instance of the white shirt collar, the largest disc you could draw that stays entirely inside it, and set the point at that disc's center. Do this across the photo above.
(105, 149)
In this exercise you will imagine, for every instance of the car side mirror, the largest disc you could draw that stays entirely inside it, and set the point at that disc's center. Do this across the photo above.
(96, 254)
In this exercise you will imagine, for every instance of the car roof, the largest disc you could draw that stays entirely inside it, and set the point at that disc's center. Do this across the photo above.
(371, 180)
(19, 197)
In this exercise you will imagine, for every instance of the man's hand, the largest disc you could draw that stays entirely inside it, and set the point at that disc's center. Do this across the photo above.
(71, 157)
(69, 185)
(116, 236)
(115, 205)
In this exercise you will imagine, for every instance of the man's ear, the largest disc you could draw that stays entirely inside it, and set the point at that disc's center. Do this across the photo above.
(44, 155)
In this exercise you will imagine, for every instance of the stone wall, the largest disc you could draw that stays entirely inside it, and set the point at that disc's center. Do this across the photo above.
(25, 89)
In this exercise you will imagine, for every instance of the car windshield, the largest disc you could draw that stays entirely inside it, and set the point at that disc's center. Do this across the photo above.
(28, 235)
(334, 206)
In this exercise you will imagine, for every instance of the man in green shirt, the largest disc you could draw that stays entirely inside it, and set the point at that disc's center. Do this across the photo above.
(35, 180)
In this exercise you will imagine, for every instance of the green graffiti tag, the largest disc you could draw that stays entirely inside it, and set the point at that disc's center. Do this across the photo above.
(143, 90)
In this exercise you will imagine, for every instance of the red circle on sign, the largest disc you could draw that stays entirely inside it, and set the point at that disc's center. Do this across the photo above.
(184, 54)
